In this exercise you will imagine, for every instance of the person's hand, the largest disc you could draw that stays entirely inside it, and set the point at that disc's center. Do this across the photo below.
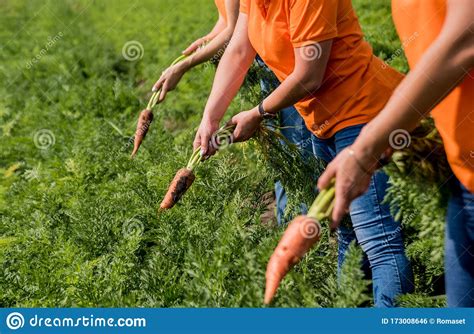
(352, 174)
(206, 130)
(246, 123)
(169, 79)
(194, 46)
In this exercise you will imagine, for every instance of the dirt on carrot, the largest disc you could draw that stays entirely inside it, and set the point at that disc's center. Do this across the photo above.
(143, 124)
(183, 179)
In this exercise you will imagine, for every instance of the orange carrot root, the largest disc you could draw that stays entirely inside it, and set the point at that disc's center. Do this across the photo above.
(302, 233)
(183, 179)
(144, 121)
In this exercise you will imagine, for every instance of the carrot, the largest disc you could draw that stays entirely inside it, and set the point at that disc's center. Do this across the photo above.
(185, 177)
(143, 124)
(146, 116)
(302, 233)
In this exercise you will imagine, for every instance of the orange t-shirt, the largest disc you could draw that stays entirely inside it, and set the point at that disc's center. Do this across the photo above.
(454, 116)
(356, 85)
(220, 4)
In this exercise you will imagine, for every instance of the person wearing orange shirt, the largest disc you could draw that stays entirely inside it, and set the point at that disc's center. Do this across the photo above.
(212, 45)
(441, 80)
(327, 70)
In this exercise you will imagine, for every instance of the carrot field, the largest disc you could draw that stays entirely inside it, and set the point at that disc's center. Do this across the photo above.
(79, 219)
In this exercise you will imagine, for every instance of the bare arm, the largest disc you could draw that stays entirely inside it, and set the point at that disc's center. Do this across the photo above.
(230, 75)
(218, 38)
(305, 79)
(221, 34)
(218, 27)
(441, 68)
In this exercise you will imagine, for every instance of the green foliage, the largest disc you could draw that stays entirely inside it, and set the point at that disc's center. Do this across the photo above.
(351, 290)
(418, 196)
(421, 206)
(79, 224)
(417, 300)
(377, 25)
(281, 158)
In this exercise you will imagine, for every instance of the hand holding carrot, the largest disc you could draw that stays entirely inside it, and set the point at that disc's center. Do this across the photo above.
(206, 130)
(242, 127)
(246, 124)
(169, 79)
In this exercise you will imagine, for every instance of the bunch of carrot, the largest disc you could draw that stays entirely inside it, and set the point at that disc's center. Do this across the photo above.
(302, 233)
(185, 177)
(146, 116)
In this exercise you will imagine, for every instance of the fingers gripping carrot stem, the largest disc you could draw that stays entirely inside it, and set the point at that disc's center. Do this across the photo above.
(302, 233)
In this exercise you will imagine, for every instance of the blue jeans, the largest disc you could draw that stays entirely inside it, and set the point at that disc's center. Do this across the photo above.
(294, 130)
(379, 235)
(459, 248)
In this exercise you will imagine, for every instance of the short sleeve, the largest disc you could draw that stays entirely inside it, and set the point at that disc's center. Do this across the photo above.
(244, 6)
(312, 21)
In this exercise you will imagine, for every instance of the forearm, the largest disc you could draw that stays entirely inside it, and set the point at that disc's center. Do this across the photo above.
(229, 77)
(218, 38)
(303, 82)
(290, 91)
(437, 73)
(218, 28)
(214, 49)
